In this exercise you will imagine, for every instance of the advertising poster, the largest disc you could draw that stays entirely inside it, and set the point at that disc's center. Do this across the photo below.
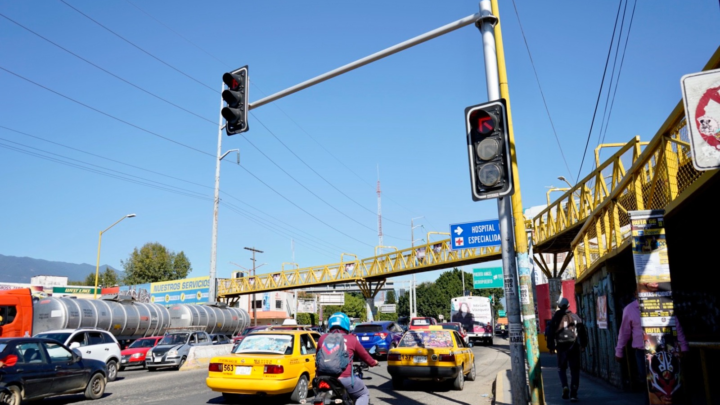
(652, 272)
(140, 292)
(187, 291)
(469, 310)
(601, 311)
(266, 302)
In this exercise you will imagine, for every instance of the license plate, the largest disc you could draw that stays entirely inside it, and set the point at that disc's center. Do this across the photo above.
(158, 360)
(243, 370)
(228, 369)
(419, 359)
(365, 338)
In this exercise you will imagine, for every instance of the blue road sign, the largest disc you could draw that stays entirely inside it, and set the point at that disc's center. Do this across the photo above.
(475, 234)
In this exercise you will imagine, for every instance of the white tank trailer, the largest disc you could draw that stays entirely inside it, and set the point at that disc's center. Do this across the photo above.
(128, 320)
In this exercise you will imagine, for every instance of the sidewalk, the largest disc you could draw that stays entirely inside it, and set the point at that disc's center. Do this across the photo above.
(593, 391)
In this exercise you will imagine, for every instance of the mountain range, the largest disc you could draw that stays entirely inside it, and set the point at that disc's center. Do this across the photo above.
(15, 269)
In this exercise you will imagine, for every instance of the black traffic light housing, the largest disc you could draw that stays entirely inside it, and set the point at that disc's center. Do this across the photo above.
(236, 97)
(489, 150)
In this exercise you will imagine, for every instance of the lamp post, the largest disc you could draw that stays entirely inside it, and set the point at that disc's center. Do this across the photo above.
(97, 266)
(562, 178)
(413, 308)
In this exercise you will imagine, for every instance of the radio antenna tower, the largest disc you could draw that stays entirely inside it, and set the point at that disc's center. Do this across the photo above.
(380, 235)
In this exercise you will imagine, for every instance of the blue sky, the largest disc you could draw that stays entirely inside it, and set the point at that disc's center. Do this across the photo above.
(403, 114)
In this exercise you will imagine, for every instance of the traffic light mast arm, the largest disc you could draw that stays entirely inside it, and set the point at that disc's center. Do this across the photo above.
(463, 22)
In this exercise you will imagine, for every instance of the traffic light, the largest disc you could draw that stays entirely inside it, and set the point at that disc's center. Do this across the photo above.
(236, 97)
(488, 150)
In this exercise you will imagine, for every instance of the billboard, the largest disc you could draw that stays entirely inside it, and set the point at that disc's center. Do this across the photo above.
(187, 291)
(307, 306)
(332, 299)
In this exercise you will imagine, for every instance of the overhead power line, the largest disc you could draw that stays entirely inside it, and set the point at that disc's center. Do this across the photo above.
(602, 83)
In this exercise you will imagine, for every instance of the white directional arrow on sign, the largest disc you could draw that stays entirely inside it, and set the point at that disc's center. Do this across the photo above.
(458, 230)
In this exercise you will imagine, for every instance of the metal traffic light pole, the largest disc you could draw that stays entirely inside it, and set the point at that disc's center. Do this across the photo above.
(518, 381)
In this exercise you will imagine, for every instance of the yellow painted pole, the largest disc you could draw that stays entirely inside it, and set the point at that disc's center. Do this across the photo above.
(521, 245)
(97, 266)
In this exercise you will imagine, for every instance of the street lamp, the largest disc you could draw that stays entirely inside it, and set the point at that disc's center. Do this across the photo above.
(413, 300)
(97, 266)
(562, 178)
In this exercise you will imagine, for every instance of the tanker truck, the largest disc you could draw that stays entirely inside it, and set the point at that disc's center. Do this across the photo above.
(21, 315)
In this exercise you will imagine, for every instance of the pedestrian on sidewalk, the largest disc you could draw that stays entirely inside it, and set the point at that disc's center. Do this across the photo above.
(566, 335)
(631, 331)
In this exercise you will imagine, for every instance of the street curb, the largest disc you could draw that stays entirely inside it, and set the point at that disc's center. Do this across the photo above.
(501, 389)
(199, 356)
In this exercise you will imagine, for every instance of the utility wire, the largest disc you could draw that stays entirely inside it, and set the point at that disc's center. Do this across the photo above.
(106, 114)
(542, 94)
(139, 48)
(622, 61)
(602, 82)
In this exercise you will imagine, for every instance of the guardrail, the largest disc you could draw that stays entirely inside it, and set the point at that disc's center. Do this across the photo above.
(574, 206)
(659, 176)
(430, 256)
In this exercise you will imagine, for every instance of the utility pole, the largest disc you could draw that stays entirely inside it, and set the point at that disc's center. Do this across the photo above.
(518, 384)
(254, 304)
(413, 301)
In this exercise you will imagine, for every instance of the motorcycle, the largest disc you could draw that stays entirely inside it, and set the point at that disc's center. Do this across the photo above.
(329, 390)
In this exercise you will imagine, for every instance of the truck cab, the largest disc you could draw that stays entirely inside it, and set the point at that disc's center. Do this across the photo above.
(16, 313)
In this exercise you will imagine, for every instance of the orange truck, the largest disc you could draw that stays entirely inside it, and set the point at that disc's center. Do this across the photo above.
(16, 313)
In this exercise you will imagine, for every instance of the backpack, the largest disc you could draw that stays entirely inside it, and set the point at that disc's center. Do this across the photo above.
(570, 330)
(333, 357)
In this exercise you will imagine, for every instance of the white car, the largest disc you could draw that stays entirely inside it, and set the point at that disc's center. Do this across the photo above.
(94, 344)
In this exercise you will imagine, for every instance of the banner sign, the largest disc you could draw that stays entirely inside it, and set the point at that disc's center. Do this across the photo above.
(187, 291)
(652, 272)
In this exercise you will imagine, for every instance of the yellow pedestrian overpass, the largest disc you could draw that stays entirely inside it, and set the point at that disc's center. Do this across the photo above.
(370, 273)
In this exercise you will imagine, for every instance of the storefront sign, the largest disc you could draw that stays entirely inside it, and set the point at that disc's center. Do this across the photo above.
(187, 291)
(652, 272)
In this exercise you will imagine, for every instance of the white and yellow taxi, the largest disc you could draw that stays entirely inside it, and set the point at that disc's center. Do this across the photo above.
(431, 354)
(269, 362)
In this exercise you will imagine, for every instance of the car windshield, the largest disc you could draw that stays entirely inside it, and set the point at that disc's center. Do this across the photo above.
(174, 339)
(275, 344)
(427, 339)
(368, 328)
(142, 343)
(453, 327)
(60, 337)
(420, 322)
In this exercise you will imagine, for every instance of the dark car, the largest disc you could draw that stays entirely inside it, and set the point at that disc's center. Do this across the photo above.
(384, 334)
(34, 368)
(220, 339)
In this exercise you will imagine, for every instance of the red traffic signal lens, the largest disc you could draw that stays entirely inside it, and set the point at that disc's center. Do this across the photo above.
(483, 122)
(233, 81)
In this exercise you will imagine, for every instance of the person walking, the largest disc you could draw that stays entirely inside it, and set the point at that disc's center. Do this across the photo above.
(566, 335)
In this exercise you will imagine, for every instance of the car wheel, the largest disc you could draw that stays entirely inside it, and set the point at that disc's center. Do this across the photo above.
(471, 374)
(230, 398)
(182, 362)
(14, 397)
(96, 387)
(299, 395)
(459, 381)
(112, 370)
(397, 383)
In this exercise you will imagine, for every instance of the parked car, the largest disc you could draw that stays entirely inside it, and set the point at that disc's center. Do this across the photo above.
(458, 327)
(384, 334)
(220, 339)
(134, 355)
(422, 322)
(35, 368)
(174, 347)
(271, 362)
(432, 354)
(94, 344)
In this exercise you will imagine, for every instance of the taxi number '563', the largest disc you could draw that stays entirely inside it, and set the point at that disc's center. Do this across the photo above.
(228, 368)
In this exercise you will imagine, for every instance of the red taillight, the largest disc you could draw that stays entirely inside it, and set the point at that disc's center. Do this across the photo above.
(10, 360)
(272, 369)
(216, 367)
(382, 335)
(447, 357)
(324, 385)
(393, 357)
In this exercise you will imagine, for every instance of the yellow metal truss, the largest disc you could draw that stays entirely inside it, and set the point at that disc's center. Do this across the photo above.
(431, 256)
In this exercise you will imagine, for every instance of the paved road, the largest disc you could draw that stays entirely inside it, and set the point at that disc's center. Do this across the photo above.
(188, 387)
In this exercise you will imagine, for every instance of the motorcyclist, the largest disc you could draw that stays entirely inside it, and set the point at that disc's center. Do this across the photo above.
(340, 323)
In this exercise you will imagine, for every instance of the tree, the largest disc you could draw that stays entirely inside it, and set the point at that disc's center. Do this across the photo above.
(390, 297)
(106, 278)
(154, 263)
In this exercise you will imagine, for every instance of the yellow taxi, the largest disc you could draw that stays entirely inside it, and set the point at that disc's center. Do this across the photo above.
(267, 362)
(435, 354)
